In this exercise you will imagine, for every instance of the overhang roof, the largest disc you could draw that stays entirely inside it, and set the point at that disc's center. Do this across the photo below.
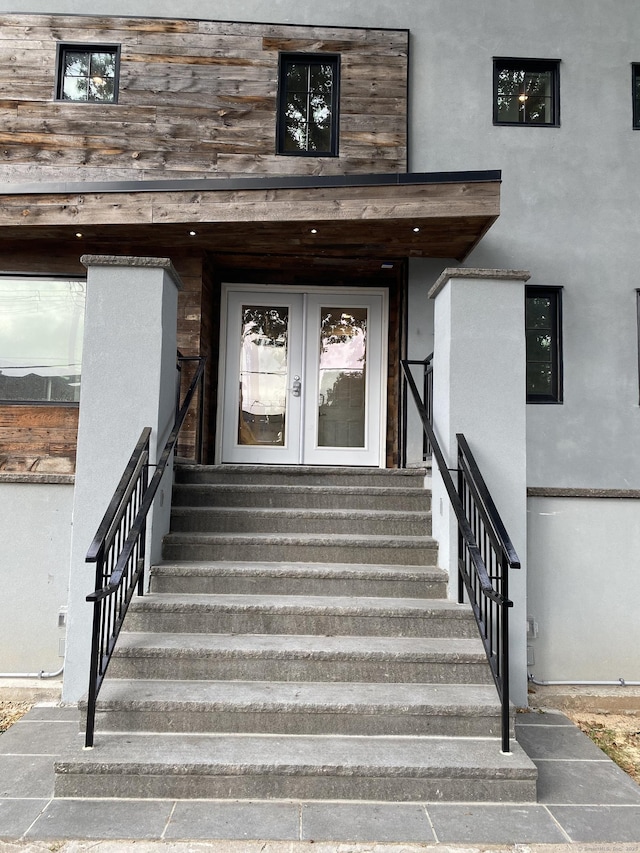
(428, 215)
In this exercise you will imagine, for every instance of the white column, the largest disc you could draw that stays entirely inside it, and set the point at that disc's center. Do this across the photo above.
(479, 390)
(128, 383)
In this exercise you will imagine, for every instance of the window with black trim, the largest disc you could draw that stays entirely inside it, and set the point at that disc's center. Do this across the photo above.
(638, 319)
(543, 327)
(41, 327)
(88, 73)
(308, 104)
(635, 72)
(526, 91)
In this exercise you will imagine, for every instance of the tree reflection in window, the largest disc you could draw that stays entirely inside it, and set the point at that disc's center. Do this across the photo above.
(308, 100)
(342, 377)
(263, 375)
(88, 75)
(526, 92)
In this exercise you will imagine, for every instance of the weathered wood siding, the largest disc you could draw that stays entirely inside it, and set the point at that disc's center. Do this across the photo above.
(196, 99)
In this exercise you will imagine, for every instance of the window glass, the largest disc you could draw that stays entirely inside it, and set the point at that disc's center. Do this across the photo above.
(543, 351)
(41, 326)
(526, 92)
(88, 74)
(307, 121)
(636, 95)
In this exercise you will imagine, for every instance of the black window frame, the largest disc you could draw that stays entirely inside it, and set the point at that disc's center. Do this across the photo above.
(528, 66)
(555, 329)
(83, 47)
(635, 94)
(284, 60)
(638, 338)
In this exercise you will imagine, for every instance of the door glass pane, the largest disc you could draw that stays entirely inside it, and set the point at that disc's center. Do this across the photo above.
(343, 361)
(263, 375)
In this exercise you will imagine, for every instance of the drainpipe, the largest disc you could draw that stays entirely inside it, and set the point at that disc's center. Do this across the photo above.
(621, 682)
(41, 674)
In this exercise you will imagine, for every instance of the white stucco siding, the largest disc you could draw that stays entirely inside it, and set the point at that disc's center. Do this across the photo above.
(584, 588)
(35, 542)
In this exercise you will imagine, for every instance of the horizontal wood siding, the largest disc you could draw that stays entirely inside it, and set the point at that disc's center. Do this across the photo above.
(38, 439)
(196, 99)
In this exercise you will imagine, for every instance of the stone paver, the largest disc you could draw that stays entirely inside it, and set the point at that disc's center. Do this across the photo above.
(600, 823)
(16, 816)
(365, 822)
(102, 819)
(494, 824)
(220, 819)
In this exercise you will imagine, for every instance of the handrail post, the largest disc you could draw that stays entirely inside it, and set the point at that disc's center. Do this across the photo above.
(94, 659)
(504, 652)
(143, 533)
(403, 420)
(200, 430)
(461, 554)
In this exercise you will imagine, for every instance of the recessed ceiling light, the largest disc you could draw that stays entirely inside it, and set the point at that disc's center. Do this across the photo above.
(416, 230)
(314, 230)
(79, 234)
(192, 233)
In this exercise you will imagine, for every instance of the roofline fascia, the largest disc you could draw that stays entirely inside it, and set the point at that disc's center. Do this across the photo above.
(262, 183)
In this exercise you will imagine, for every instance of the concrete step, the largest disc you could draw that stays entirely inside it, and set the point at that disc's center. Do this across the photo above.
(299, 707)
(282, 657)
(308, 548)
(302, 496)
(317, 475)
(202, 519)
(183, 766)
(300, 614)
(300, 578)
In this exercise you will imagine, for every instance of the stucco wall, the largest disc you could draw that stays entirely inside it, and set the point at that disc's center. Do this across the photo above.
(35, 541)
(584, 588)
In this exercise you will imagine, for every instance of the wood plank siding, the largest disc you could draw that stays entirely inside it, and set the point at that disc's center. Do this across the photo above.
(195, 99)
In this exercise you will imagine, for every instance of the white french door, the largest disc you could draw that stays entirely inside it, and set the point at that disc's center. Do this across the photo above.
(304, 375)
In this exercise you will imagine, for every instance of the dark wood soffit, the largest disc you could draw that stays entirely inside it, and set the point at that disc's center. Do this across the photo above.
(371, 220)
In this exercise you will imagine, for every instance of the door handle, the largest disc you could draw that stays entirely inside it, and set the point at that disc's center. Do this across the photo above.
(296, 387)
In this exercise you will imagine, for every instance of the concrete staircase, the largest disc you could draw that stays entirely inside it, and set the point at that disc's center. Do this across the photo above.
(298, 643)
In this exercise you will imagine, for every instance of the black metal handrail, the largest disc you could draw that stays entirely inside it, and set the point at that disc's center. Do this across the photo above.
(118, 548)
(485, 551)
(427, 397)
(182, 359)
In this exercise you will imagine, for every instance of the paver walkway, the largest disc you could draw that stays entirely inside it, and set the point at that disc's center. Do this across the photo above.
(582, 797)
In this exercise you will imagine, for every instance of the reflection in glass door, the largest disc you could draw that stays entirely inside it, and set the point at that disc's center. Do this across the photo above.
(264, 337)
(342, 373)
(303, 381)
